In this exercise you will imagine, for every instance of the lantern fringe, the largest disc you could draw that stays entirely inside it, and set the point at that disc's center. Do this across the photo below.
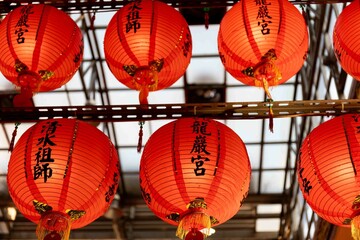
(139, 146)
(54, 225)
(355, 228)
(12, 142)
(194, 220)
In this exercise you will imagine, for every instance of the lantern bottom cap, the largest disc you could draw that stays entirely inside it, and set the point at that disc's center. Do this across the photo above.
(53, 225)
(194, 224)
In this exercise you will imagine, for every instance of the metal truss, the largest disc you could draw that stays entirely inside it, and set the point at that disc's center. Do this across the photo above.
(240, 110)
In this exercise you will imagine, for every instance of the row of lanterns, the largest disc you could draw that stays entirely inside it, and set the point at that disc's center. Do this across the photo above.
(64, 173)
(148, 45)
(189, 168)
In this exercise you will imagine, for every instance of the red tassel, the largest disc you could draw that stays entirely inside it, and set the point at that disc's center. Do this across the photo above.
(139, 146)
(11, 147)
(92, 21)
(206, 17)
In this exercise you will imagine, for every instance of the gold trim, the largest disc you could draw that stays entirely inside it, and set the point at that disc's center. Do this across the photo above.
(156, 65)
(174, 217)
(213, 220)
(41, 207)
(356, 203)
(46, 74)
(20, 66)
(197, 203)
(347, 221)
(75, 214)
(130, 69)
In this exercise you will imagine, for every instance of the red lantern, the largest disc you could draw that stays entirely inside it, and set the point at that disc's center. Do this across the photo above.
(41, 48)
(147, 46)
(194, 173)
(328, 168)
(62, 173)
(346, 40)
(263, 43)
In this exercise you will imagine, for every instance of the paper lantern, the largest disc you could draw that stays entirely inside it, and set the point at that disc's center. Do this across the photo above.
(62, 173)
(263, 43)
(41, 48)
(346, 40)
(194, 173)
(147, 46)
(327, 170)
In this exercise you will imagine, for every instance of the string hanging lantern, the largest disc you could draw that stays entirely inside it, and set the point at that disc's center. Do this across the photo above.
(62, 174)
(327, 171)
(346, 41)
(188, 170)
(263, 43)
(41, 49)
(147, 46)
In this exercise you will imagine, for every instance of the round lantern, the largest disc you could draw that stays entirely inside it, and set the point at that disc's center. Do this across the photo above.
(194, 173)
(263, 43)
(147, 46)
(41, 49)
(328, 171)
(63, 174)
(346, 41)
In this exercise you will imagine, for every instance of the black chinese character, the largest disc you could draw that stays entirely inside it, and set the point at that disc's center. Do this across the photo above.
(44, 155)
(200, 145)
(199, 162)
(200, 128)
(264, 25)
(42, 171)
(263, 12)
(20, 32)
(187, 45)
(50, 127)
(305, 183)
(135, 25)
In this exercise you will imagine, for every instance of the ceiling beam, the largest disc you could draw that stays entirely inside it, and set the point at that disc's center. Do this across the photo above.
(238, 110)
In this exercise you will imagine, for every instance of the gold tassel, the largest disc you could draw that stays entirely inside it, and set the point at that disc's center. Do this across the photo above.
(194, 221)
(355, 227)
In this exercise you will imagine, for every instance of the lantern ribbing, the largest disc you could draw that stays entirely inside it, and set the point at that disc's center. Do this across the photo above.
(189, 169)
(41, 48)
(346, 41)
(328, 167)
(147, 46)
(259, 44)
(63, 169)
